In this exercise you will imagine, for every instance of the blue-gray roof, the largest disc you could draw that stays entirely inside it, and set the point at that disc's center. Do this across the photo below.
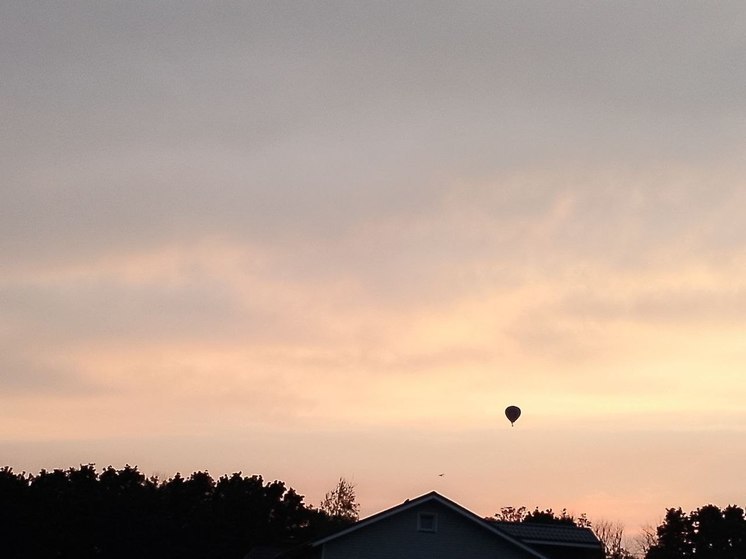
(536, 532)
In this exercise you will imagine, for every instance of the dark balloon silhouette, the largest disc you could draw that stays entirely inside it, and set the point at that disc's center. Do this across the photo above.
(512, 413)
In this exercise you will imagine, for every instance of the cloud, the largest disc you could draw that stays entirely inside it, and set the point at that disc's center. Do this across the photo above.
(131, 127)
(722, 306)
(523, 267)
(26, 377)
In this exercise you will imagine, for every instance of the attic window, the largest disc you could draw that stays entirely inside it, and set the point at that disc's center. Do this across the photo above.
(427, 522)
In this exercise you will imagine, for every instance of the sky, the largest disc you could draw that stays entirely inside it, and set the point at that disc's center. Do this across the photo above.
(308, 240)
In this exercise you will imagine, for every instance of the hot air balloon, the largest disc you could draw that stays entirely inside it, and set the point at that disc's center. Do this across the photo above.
(512, 413)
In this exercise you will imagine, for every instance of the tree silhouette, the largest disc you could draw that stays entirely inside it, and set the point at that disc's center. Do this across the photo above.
(340, 504)
(546, 516)
(706, 533)
(510, 514)
(15, 512)
(120, 513)
(611, 535)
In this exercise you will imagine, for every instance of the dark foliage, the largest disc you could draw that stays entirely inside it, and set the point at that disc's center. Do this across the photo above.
(706, 533)
(547, 516)
(80, 513)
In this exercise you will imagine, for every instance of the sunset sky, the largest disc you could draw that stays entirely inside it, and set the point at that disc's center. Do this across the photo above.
(318, 239)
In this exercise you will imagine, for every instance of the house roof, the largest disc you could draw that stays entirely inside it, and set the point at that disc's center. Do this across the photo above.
(555, 534)
(429, 498)
(265, 552)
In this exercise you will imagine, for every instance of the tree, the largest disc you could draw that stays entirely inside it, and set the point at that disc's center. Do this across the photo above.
(645, 540)
(119, 514)
(15, 512)
(340, 502)
(718, 534)
(547, 516)
(706, 533)
(611, 535)
(510, 514)
(735, 526)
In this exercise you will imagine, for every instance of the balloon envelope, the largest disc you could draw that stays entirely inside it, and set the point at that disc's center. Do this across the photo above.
(512, 413)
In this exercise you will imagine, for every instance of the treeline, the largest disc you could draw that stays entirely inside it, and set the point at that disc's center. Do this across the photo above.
(116, 513)
(706, 533)
(84, 514)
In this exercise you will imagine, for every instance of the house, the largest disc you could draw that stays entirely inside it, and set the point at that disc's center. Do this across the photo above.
(434, 527)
